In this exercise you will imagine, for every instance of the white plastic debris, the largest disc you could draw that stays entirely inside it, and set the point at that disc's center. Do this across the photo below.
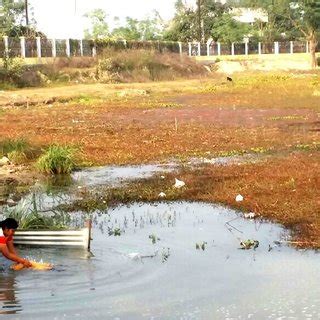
(179, 183)
(162, 177)
(11, 202)
(4, 161)
(162, 195)
(134, 255)
(249, 215)
(239, 198)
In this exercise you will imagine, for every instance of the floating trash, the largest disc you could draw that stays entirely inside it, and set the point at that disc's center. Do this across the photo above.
(179, 184)
(239, 198)
(249, 215)
(134, 256)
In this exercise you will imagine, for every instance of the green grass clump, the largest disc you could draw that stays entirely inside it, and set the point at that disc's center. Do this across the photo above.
(10, 145)
(17, 157)
(58, 160)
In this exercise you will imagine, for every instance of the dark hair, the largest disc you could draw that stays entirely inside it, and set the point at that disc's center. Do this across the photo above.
(9, 223)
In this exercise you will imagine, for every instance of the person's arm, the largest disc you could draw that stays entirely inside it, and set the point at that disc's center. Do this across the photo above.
(11, 247)
(13, 257)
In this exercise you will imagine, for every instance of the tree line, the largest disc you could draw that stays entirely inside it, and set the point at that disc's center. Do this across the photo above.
(205, 20)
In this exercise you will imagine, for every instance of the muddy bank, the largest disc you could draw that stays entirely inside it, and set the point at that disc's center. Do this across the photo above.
(15, 180)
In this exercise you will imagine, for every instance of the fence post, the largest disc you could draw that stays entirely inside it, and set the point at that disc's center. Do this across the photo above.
(246, 48)
(259, 48)
(23, 47)
(276, 47)
(68, 47)
(180, 47)
(307, 47)
(199, 49)
(232, 48)
(38, 47)
(208, 48)
(291, 47)
(219, 48)
(54, 48)
(94, 50)
(81, 47)
(189, 46)
(6, 44)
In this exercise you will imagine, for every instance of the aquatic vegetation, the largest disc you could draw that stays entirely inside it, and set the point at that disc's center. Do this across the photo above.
(114, 232)
(165, 254)
(154, 238)
(201, 245)
(58, 160)
(249, 244)
(30, 217)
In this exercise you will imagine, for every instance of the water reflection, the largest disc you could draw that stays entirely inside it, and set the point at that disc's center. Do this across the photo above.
(9, 304)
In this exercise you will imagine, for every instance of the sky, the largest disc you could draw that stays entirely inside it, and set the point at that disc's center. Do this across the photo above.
(64, 18)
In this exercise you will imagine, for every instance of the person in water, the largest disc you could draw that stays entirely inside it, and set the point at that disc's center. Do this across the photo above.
(9, 227)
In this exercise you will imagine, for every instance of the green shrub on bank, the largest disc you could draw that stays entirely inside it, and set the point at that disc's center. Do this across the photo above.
(13, 145)
(17, 157)
(12, 68)
(18, 150)
(58, 160)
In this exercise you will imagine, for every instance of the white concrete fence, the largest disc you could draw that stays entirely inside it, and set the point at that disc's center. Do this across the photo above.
(42, 48)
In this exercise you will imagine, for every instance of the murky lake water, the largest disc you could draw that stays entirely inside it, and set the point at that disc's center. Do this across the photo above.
(130, 277)
(153, 269)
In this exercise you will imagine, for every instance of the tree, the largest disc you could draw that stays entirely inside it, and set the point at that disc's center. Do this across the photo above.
(150, 28)
(11, 14)
(210, 12)
(305, 16)
(99, 26)
(191, 24)
(25, 31)
(301, 16)
(183, 25)
(277, 28)
(227, 30)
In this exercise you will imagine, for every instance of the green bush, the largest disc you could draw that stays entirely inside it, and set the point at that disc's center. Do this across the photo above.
(17, 157)
(18, 150)
(58, 160)
(12, 68)
(13, 145)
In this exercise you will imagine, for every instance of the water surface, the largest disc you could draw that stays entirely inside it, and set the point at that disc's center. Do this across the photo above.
(130, 277)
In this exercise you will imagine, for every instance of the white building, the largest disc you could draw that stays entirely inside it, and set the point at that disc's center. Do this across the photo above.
(247, 15)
